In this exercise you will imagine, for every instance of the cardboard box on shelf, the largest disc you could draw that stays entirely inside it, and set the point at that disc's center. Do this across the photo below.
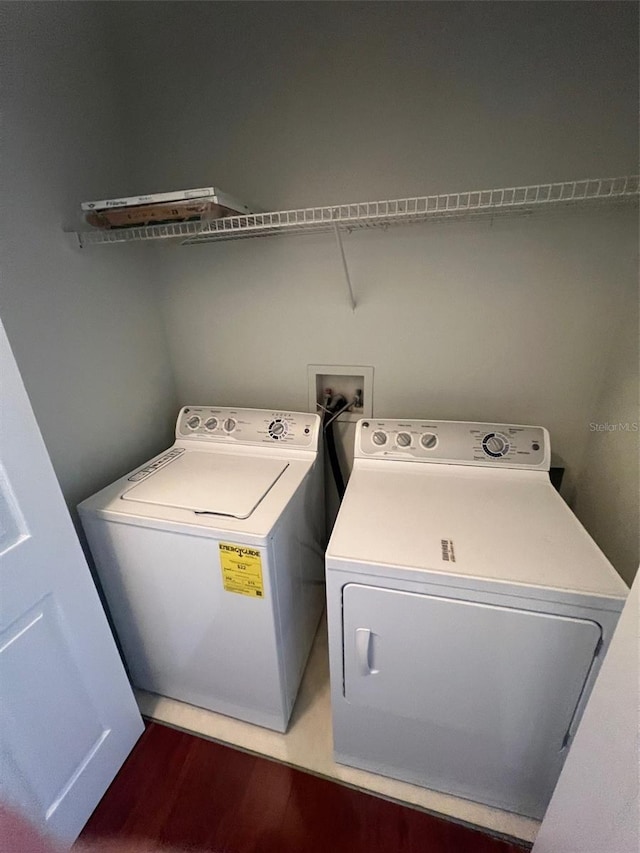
(156, 214)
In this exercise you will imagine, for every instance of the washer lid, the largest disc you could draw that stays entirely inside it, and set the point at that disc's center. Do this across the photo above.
(216, 483)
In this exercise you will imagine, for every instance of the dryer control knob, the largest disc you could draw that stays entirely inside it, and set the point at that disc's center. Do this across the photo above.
(495, 445)
(379, 437)
(428, 440)
(211, 424)
(193, 422)
(229, 425)
(403, 439)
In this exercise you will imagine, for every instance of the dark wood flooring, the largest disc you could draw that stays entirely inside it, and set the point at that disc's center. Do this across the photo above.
(181, 791)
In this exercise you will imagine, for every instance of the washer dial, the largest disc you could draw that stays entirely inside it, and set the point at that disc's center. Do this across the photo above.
(379, 437)
(428, 440)
(194, 422)
(278, 428)
(229, 425)
(403, 439)
(211, 424)
(495, 445)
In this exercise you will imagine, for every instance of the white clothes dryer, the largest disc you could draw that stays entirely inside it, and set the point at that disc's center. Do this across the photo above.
(211, 560)
(468, 611)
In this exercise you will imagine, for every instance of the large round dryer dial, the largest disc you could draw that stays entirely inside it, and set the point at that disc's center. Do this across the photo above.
(495, 445)
(193, 422)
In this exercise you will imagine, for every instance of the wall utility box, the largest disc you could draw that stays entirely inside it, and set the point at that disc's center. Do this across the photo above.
(342, 379)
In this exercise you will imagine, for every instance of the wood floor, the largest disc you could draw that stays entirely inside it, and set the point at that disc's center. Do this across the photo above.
(182, 791)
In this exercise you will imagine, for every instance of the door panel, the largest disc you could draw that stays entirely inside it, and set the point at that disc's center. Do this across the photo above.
(68, 718)
(36, 644)
(492, 690)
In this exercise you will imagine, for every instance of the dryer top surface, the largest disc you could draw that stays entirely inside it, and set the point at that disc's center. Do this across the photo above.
(501, 526)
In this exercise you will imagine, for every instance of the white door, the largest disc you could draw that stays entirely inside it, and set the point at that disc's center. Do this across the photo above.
(492, 691)
(595, 807)
(68, 718)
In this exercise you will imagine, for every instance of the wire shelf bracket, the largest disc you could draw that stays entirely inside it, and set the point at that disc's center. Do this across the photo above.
(345, 266)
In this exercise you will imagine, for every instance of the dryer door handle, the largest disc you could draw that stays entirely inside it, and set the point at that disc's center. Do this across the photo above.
(364, 649)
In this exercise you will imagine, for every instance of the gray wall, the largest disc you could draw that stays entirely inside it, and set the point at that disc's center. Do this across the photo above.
(301, 103)
(607, 493)
(85, 328)
(313, 103)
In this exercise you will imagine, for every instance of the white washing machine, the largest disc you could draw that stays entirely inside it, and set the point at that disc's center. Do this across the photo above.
(211, 560)
(468, 611)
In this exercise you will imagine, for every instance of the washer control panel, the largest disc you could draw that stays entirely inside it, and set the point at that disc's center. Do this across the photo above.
(249, 426)
(454, 443)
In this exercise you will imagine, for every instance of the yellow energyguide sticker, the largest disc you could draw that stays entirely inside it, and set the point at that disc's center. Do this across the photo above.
(241, 569)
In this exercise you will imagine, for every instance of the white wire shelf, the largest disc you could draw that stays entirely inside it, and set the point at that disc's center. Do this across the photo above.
(506, 200)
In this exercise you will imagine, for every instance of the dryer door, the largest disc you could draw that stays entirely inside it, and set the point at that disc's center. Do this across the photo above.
(470, 697)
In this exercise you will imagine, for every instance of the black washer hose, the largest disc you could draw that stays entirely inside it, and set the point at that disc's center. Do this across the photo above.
(333, 459)
(334, 405)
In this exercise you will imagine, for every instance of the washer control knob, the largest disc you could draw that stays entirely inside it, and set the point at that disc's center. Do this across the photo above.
(403, 439)
(428, 440)
(229, 425)
(211, 424)
(193, 422)
(495, 445)
(379, 437)
(277, 429)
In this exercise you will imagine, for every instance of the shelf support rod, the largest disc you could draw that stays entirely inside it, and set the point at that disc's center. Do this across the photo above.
(344, 266)
(74, 239)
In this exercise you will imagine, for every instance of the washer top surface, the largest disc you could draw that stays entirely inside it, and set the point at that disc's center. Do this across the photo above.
(210, 483)
(230, 471)
(490, 523)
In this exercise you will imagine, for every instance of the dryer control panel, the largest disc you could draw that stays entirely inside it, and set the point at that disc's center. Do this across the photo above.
(454, 443)
(249, 426)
